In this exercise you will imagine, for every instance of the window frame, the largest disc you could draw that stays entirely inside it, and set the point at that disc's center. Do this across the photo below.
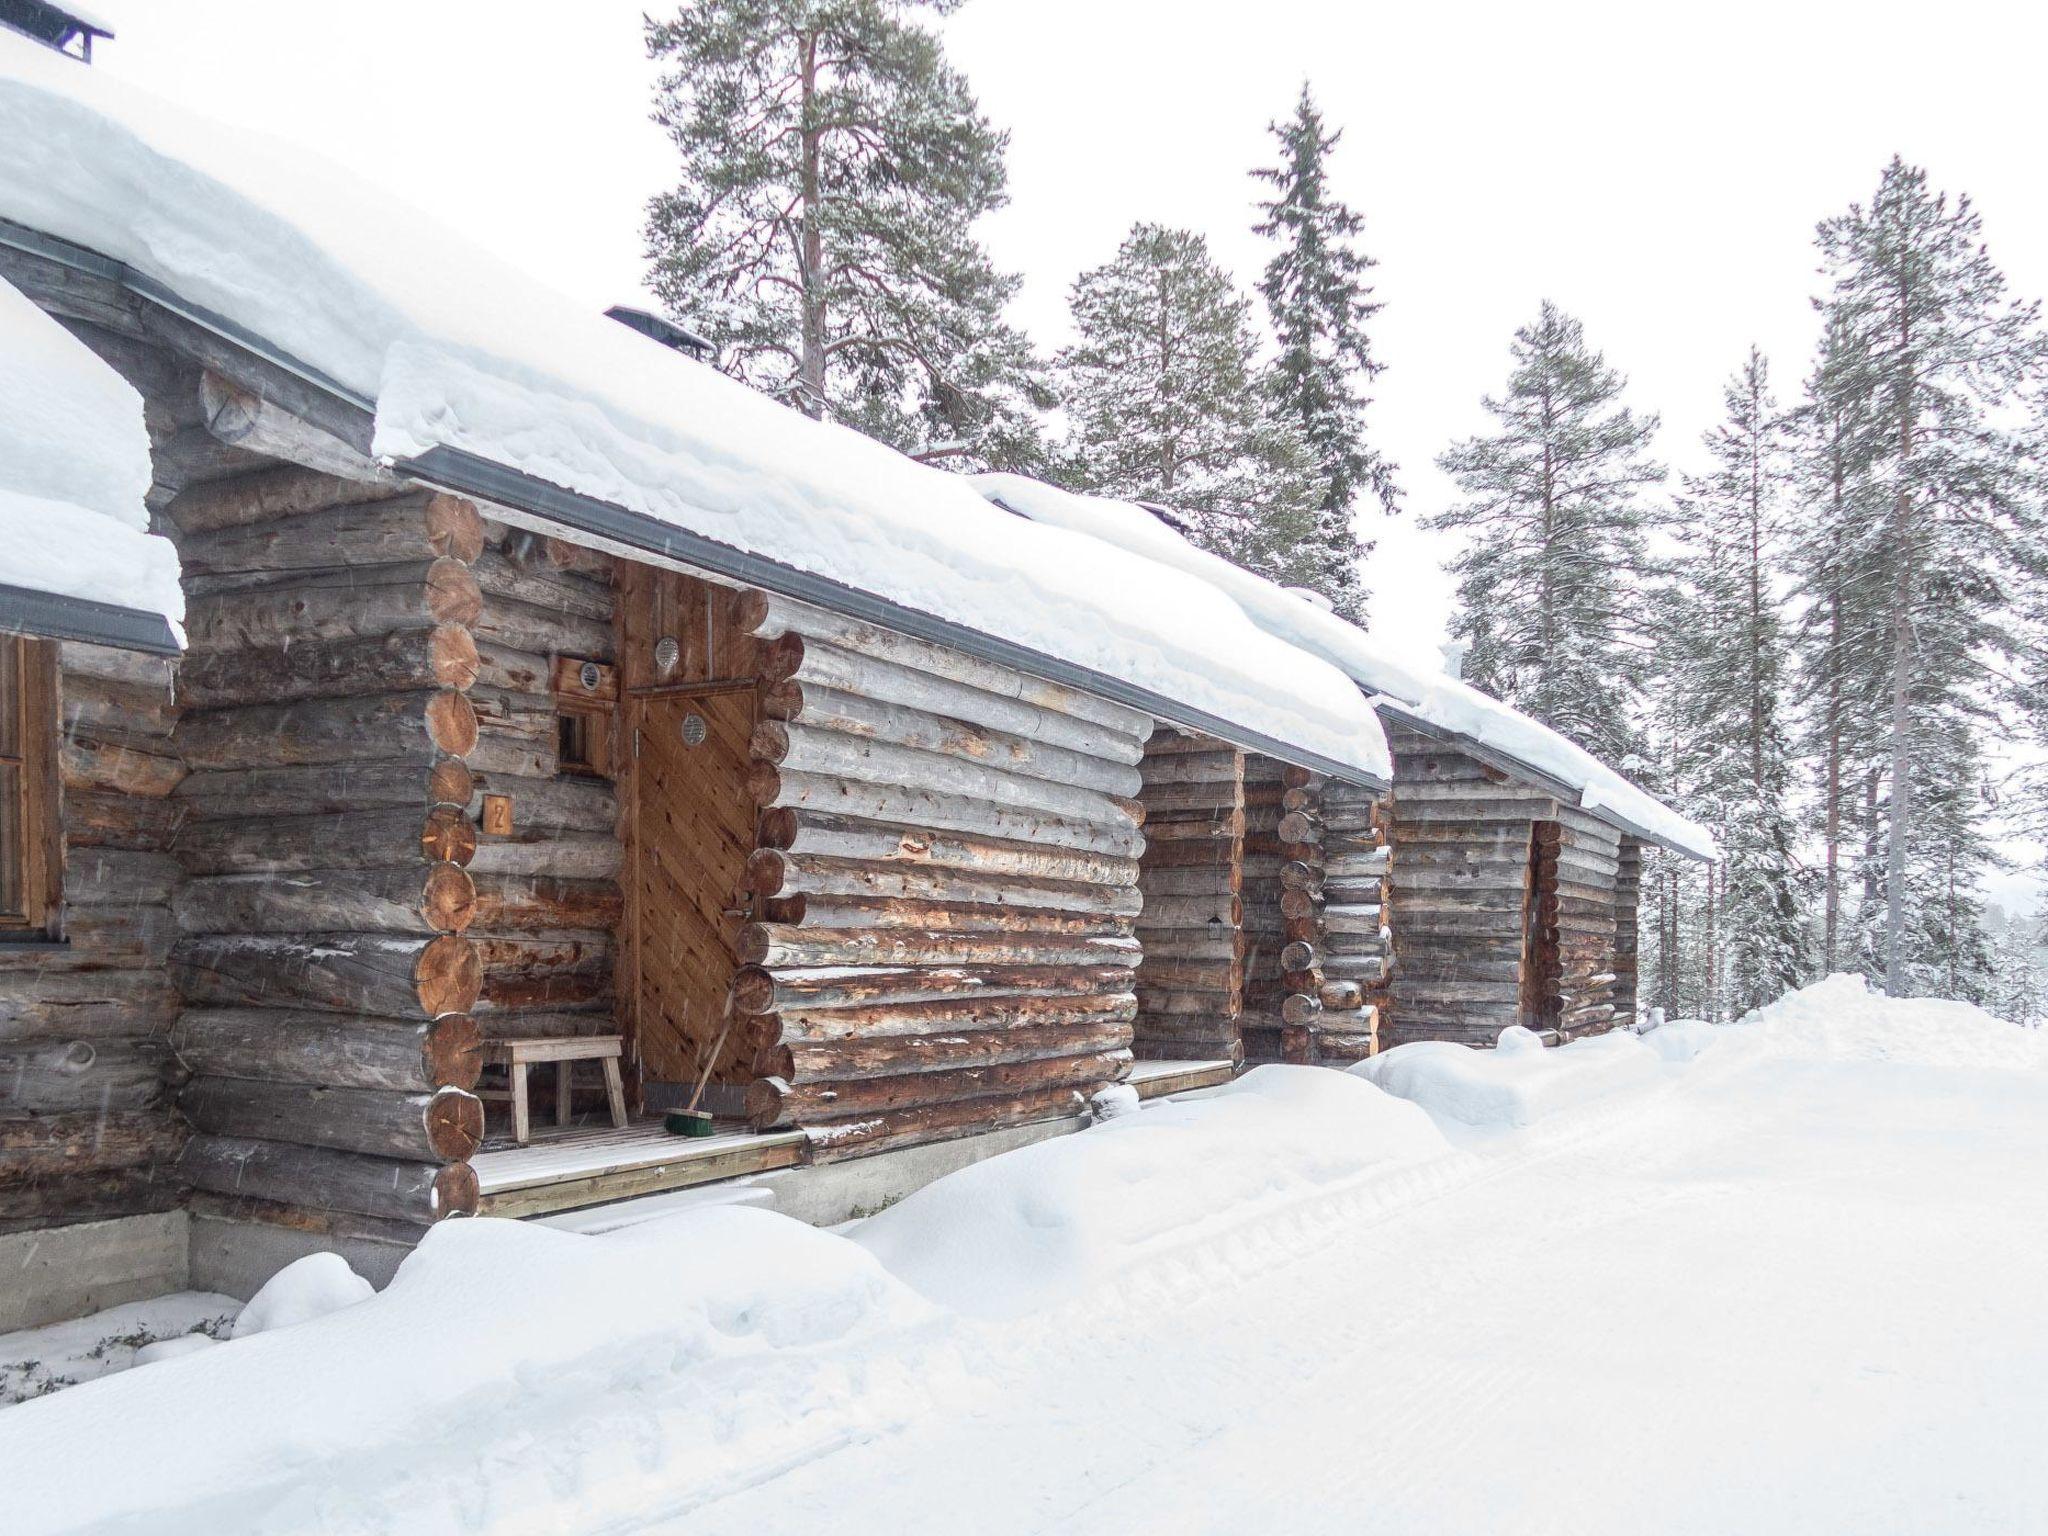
(40, 858)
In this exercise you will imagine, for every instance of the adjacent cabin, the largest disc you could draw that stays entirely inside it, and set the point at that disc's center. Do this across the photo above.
(470, 762)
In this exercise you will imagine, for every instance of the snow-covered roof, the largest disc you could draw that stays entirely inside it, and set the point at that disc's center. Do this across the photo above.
(75, 546)
(1434, 699)
(456, 350)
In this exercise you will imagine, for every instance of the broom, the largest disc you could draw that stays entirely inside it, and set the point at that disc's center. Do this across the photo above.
(694, 1121)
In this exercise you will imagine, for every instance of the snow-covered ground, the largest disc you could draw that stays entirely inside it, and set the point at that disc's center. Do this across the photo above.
(1787, 1276)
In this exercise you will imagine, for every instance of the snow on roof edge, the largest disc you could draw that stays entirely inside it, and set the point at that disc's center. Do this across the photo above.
(1447, 703)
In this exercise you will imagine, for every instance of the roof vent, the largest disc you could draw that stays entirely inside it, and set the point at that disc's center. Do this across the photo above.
(654, 327)
(65, 28)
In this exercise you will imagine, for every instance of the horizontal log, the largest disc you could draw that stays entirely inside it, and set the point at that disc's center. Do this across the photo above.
(782, 875)
(942, 917)
(1190, 944)
(760, 991)
(281, 491)
(890, 1130)
(324, 1179)
(41, 1006)
(415, 726)
(1213, 880)
(914, 807)
(426, 898)
(1222, 909)
(383, 975)
(416, 525)
(444, 656)
(149, 769)
(331, 1050)
(948, 1016)
(539, 903)
(772, 1102)
(445, 1125)
(1367, 969)
(777, 945)
(1341, 995)
(1184, 800)
(39, 1148)
(398, 839)
(557, 591)
(59, 1076)
(846, 1060)
(323, 789)
(337, 605)
(820, 833)
(118, 876)
(507, 625)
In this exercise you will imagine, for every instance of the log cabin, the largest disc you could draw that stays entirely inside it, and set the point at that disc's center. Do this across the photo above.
(547, 699)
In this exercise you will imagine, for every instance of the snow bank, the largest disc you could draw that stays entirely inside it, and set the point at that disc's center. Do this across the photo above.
(456, 348)
(1517, 1083)
(1679, 1040)
(1441, 700)
(74, 466)
(304, 1289)
(1841, 1019)
(1046, 1221)
(491, 1328)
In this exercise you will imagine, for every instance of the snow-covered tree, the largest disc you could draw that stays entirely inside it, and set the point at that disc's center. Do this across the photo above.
(1319, 302)
(1943, 357)
(1166, 403)
(1550, 582)
(2020, 985)
(821, 228)
(1727, 653)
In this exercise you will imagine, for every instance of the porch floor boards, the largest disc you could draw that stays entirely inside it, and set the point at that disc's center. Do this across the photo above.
(598, 1163)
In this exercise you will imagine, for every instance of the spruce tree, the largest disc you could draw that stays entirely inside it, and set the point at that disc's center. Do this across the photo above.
(1728, 657)
(1164, 401)
(1319, 302)
(821, 229)
(1943, 357)
(1550, 581)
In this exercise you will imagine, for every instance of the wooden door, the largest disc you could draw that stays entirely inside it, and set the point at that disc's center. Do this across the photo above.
(693, 827)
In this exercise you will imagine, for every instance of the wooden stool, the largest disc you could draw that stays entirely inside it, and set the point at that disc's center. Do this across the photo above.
(564, 1051)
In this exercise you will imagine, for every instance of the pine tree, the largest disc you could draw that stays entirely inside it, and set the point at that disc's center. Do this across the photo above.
(1728, 663)
(1164, 402)
(1319, 303)
(1942, 356)
(1550, 581)
(821, 231)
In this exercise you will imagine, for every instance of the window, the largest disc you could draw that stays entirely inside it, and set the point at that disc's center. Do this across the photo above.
(31, 857)
(586, 693)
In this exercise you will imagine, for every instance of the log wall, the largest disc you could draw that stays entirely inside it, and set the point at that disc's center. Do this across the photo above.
(1628, 895)
(948, 877)
(1505, 904)
(87, 1130)
(333, 725)
(1192, 980)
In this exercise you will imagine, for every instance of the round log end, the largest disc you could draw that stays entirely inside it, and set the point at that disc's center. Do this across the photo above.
(453, 595)
(451, 650)
(455, 1124)
(765, 1097)
(448, 902)
(764, 784)
(1300, 1008)
(455, 528)
(455, 1191)
(448, 836)
(753, 991)
(752, 946)
(1292, 777)
(752, 610)
(781, 657)
(453, 1052)
(761, 1033)
(451, 783)
(449, 975)
(1297, 957)
(784, 909)
(783, 701)
(778, 828)
(452, 723)
(770, 742)
(1296, 903)
(1295, 827)
(766, 869)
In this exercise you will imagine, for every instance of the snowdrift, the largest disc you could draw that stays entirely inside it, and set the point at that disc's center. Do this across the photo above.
(1842, 1019)
(1044, 1222)
(489, 1326)
(1517, 1083)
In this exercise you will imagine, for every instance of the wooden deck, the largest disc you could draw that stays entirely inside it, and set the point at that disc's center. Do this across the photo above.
(1156, 1079)
(599, 1164)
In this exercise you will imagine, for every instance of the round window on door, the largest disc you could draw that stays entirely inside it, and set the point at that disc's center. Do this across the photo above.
(694, 729)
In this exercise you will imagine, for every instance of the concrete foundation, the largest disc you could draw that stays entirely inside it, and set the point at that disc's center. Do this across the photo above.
(60, 1273)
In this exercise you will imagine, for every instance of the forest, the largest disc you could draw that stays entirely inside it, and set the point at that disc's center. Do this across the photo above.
(1818, 631)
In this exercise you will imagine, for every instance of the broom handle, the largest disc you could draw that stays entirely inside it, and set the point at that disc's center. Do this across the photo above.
(711, 1061)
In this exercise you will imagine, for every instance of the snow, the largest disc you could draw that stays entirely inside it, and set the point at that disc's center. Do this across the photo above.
(74, 466)
(1790, 1284)
(1441, 700)
(1017, 1232)
(457, 348)
(304, 1289)
(1517, 1083)
(35, 1361)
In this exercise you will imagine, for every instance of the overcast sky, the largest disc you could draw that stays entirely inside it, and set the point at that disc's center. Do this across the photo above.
(1657, 170)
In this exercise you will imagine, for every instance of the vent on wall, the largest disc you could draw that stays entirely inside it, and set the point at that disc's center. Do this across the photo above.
(65, 28)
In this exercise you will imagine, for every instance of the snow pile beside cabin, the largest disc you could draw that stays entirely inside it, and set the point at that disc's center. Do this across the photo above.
(1517, 1083)
(451, 347)
(1048, 1221)
(404, 1411)
(1438, 700)
(1841, 1019)
(74, 467)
